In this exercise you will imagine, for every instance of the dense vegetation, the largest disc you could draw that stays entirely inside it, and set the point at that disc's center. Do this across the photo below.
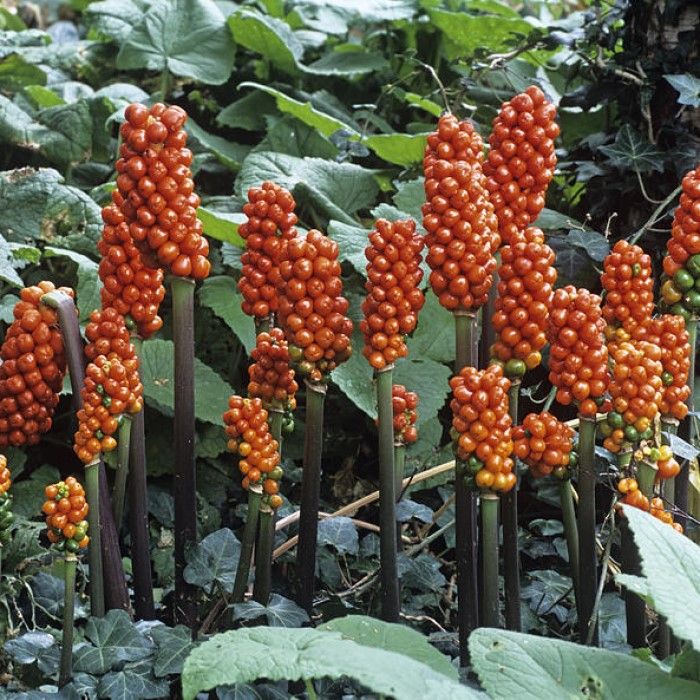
(333, 101)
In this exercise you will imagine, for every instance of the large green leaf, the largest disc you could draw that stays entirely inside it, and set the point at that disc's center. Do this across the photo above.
(401, 149)
(16, 73)
(135, 680)
(229, 153)
(245, 655)
(248, 112)
(221, 295)
(214, 561)
(631, 151)
(222, 225)
(174, 645)
(157, 375)
(115, 18)
(36, 205)
(8, 273)
(371, 632)
(434, 337)
(187, 37)
(514, 665)
(671, 567)
(352, 241)
(347, 60)
(89, 284)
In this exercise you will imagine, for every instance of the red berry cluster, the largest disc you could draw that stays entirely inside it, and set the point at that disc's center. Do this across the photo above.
(250, 437)
(66, 511)
(108, 335)
(521, 162)
(545, 444)
(32, 370)
(155, 189)
(404, 404)
(393, 298)
(111, 388)
(271, 220)
(633, 496)
(525, 289)
(311, 306)
(271, 377)
(578, 364)
(5, 476)
(462, 230)
(482, 427)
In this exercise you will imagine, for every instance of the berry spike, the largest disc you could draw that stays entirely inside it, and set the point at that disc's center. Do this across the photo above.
(404, 404)
(66, 513)
(545, 444)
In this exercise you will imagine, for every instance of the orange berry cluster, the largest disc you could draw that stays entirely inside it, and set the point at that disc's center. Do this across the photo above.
(393, 298)
(462, 230)
(6, 517)
(108, 335)
(249, 436)
(5, 476)
(482, 427)
(629, 286)
(271, 219)
(32, 370)
(521, 161)
(404, 404)
(635, 390)
(111, 388)
(525, 289)
(545, 444)
(271, 377)
(155, 189)
(578, 355)
(634, 497)
(66, 511)
(311, 306)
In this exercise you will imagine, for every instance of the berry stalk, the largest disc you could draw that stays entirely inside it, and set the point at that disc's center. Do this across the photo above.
(568, 513)
(185, 487)
(490, 616)
(687, 431)
(247, 543)
(466, 340)
(399, 471)
(66, 667)
(92, 491)
(263, 555)
(120, 479)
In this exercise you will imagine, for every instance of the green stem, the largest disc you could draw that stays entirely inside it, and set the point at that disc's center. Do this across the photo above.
(185, 486)
(490, 616)
(66, 668)
(647, 477)
(687, 432)
(399, 470)
(391, 603)
(276, 421)
(588, 560)
(263, 556)
(635, 607)
(488, 333)
(165, 84)
(310, 690)
(310, 494)
(119, 489)
(247, 543)
(509, 518)
(566, 496)
(550, 399)
(92, 493)
(466, 340)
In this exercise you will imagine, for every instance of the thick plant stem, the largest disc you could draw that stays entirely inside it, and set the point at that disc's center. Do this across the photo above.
(509, 520)
(391, 602)
(138, 522)
(310, 494)
(276, 416)
(263, 555)
(466, 340)
(687, 430)
(66, 668)
(490, 616)
(92, 493)
(488, 332)
(399, 470)
(568, 512)
(588, 560)
(119, 489)
(247, 543)
(165, 84)
(666, 642)
(185, 481)
(635, 607)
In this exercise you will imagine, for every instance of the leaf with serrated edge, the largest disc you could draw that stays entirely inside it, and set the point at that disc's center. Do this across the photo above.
(244, 655)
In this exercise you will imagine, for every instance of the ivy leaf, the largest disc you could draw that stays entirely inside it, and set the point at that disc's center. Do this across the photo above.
(630, 151)
(594, 244)
(280, 612)
(187, 37)
(550, 219)
(214, 560)
(89, 284)
(157, 375)
(422, 572)
(133, 681)
(49, 592)
(613, 622)
(221, 295)
(547, 528)
(407, 509)
(16, 73)
(688, 87)
(174, 645)
(371, 632)
(340, 533)
(114, 639)
(31, 647)
(546, 590)
(514, 665)
(244, 655)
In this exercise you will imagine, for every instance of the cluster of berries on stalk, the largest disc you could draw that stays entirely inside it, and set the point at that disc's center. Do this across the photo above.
(271, 220)
(521, 161)
(635, 390)
(112, 387)
(578, 355)
(525, 290)
(545, 444)
(6, 517)
(66, 513)
(404, 404)
(393, 298)
(249, 436)
(271, 376)
(311, 306)
(108, 335)
(482, 427)
(32, 370)
(462, 229)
